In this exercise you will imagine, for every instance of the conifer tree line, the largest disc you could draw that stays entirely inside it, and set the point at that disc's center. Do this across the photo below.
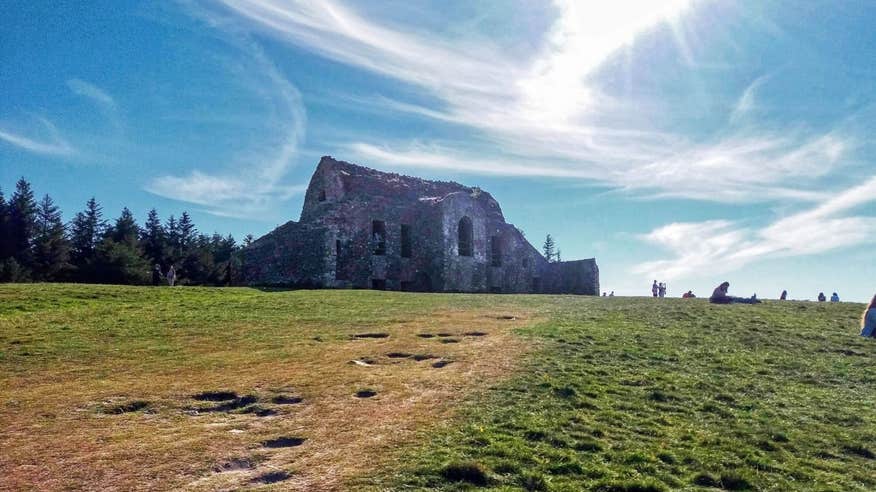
(37, 246)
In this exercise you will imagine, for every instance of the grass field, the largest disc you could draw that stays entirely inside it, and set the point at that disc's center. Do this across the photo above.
(120, 388)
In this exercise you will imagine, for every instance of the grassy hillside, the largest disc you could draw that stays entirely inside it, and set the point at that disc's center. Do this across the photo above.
(119, 388)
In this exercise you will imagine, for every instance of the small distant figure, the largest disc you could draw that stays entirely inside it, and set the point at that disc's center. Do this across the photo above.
(655, 289)
(720, 296)
(834, 297)
(754, 297)
(688, 295)
(821, 297)
(156, 275)
(171, 276)
(611, 294)
(661, 289)
(868, 320)
(228, 279)
(604, 294)
(784, 296)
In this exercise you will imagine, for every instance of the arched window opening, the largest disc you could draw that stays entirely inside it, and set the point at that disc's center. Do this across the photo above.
(466, 238)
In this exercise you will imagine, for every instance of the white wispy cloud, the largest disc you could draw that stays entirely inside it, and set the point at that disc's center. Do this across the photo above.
(254, 181)
(92, 92)
(720, 246)
(545, 116)
(746, 102)
(50, 143)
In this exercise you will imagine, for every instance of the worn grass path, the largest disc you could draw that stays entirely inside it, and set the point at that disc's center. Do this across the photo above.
(99, 387)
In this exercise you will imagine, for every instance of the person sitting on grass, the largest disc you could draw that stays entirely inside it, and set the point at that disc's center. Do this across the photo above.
(688, 295)
(868, 320)
(834, 297)
(720, 296)
(821, 297)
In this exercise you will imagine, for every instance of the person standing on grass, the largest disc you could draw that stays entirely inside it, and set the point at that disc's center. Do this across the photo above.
(784, 295)
(156, 275)
(654, 288)
(662, 290)
(868, 320)
(171, 276)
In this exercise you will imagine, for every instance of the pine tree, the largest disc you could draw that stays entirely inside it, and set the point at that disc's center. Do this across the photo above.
(125, 229)
(22, 220)
(549, 249)
(187, 233)
(6, 244)
(174, 252)
(153, 239)
(51, 247)
(118, 258)
(86, 232)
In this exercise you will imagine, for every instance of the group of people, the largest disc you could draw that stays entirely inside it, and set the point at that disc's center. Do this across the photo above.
(833, 298)
(157, 275)
(658, 289)
(608, 295)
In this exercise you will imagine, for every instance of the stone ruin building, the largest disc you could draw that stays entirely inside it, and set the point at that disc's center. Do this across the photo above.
(366, 229)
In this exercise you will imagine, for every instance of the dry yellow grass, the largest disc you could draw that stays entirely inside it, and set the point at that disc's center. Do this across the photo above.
(56, 437)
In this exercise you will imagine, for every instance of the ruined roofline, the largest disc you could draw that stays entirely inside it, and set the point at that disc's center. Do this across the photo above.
(371, 173)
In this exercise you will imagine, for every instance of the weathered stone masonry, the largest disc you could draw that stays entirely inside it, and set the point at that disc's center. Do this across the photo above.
(362, 228)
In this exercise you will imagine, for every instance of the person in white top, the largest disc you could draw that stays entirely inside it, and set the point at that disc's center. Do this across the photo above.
(171, 276)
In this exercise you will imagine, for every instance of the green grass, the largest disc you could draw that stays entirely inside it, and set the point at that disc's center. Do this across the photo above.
(618, 394)
(640, 394)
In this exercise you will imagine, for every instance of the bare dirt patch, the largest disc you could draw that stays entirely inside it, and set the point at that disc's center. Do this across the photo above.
(271, 477)
(215, 396)
(284, 442)
(286, 400)
(398, 355)
(127, 407)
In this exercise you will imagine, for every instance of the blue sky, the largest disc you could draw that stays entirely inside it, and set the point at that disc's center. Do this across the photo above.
(686, 141)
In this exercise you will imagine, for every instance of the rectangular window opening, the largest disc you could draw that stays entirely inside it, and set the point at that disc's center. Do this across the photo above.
(378, 284)
(378, 237)
(406, 249)
(496, 251)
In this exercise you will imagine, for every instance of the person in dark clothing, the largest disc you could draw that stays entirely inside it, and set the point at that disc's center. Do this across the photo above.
(720, 296)
(821, 297)
(784, 295)
(157, 275)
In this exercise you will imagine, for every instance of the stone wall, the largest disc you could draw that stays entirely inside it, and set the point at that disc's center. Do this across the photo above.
(350, 236)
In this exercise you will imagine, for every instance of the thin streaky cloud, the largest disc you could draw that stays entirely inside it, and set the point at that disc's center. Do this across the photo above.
(720, 246)
(235, 193)
(746, 102)
(55, 145)
(543, 109)
(92, 92)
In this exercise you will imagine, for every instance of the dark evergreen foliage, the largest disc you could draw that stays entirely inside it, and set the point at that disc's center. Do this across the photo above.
(51, 248)
(35, 245)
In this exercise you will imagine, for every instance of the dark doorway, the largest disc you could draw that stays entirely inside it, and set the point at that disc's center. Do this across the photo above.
(406, 249)
(378, 284)
(340, 262)
(536, 284)
(378, 237)
(422, 282)
(322, 195)
(496, 251)
(465, 237)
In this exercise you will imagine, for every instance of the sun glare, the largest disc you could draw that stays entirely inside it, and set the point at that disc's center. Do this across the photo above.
(583, 36)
